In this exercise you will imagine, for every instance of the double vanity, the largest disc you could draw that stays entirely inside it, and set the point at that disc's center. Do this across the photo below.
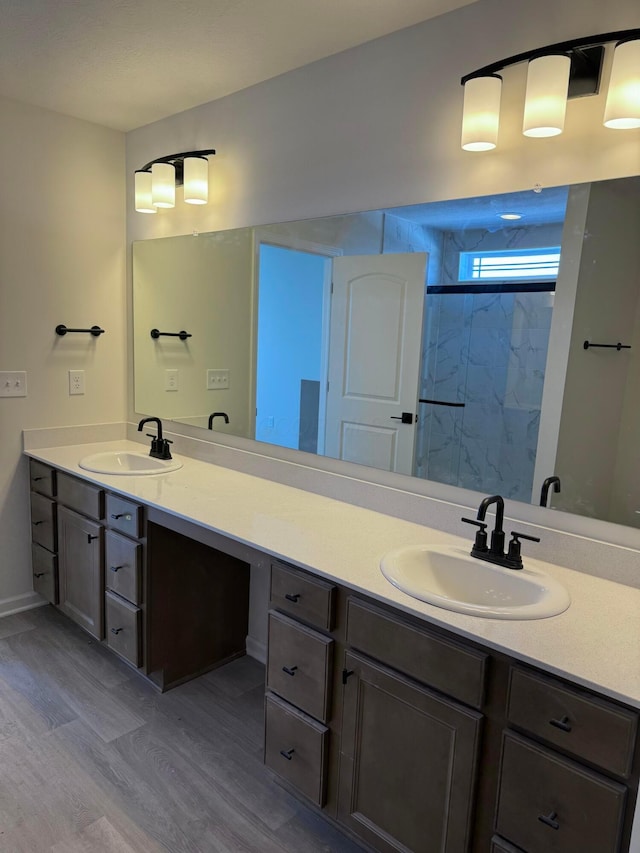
(480, 727)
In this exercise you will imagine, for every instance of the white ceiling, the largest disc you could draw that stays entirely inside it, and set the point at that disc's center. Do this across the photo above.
(126, 63)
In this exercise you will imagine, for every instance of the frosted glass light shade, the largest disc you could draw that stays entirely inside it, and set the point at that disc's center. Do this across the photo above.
(196, 180)
(481, 113)
(622, 109)
(546, 96)
(142, 191)
(163, 185)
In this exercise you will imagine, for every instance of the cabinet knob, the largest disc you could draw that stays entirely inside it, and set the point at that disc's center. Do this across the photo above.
(287, 753)
(116, 630)
(126, 515)
(37, 479)
(564, 724)
(36, 523)
(549, 820)
(293, 598)
(39, 574)
(290, 670)
(115, 568)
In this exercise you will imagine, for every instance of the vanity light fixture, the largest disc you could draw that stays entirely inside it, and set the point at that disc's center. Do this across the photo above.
(155, 183)
(555, 73)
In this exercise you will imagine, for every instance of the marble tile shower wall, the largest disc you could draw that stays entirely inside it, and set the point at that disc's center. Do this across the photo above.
(489, 352)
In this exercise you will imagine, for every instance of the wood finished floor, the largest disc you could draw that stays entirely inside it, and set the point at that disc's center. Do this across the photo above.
(93, 760)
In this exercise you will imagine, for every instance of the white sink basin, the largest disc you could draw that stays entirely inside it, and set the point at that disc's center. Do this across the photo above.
(450, 577)
(130, 462)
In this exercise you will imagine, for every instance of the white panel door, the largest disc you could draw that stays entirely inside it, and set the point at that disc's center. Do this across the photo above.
(374, 359)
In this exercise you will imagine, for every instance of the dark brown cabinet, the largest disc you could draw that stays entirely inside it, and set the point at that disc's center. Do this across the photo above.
(44, 533)
(550, 804)
(80, 551)
(408, 762)
(410, 737)
(299, 714)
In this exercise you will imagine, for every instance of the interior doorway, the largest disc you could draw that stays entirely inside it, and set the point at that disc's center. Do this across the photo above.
(294, 294)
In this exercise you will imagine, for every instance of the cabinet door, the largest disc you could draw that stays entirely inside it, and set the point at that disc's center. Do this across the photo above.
(408, 762)
(81, 570)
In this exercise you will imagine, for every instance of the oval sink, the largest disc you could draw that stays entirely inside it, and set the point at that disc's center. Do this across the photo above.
(130, 462)
(451, 578)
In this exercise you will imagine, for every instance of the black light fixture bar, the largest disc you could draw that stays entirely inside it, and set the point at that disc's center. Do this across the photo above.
(586, 56)
(177, 161)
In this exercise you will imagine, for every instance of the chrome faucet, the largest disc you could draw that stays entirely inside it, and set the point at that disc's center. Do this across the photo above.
(159, 445)
(495, 552)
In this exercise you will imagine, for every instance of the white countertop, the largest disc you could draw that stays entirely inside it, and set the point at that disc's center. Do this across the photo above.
(596, 642)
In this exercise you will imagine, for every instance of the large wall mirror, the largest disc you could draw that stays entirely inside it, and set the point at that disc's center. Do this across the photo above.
(487, 343)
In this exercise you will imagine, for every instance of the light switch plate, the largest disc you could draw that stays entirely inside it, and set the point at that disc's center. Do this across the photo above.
(171, 379)
(13, 383)
(217, 380)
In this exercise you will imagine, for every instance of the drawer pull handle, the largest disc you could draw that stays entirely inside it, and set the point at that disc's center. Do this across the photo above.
(288, 754)
(289, 670)
(293, 598)
(549, 820)
(116, 568)
(564, 724)
(37, 479)
(90, 538)
(39, 574)
(125, 515)
(36, 523)
(116, 630)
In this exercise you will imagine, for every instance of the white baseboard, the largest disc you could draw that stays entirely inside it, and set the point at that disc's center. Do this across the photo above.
(18, 603)
(256, 649)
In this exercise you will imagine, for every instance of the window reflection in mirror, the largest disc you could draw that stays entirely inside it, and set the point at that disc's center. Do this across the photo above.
(439, 340)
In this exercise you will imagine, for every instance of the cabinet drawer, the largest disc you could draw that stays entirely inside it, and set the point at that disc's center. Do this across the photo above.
(43, 478)
(85, 498)
(499, 845)
(125, 516)
(457, 671)
(122, 567)
(299, 665)
(296, 748)
(302, 595)
(549, 803)
(586, 726)
(43, 521)
(45, 573)
(123, 628)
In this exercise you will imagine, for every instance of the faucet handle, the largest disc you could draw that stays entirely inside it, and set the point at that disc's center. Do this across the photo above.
(514, 559)
(517, 536)
(480, 544)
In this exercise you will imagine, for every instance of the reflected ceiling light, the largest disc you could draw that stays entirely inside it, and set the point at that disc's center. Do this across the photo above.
(555, 73)
(155, 183)
(510, 216)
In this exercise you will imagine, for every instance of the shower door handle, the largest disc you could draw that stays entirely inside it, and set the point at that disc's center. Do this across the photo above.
(406, 418)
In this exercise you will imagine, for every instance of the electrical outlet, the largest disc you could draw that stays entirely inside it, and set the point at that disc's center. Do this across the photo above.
(13, 383)
(171, 380)
(217, 380)
(76, 382)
